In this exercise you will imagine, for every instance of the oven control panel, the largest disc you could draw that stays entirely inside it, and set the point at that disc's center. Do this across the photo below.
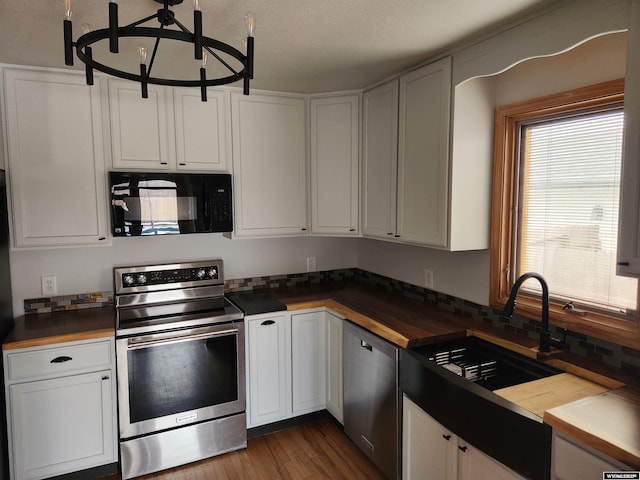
(147, 278)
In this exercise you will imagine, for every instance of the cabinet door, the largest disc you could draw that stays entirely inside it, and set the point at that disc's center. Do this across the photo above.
(473, 464)
(570, 461)
(429, 451)
(380, 155)
(334, 165)
(423, 154)
(201, 129)
(56, 159)
(308, 362)
(142, 129)
(629, 222)
(269, 165)
(334, 366)
(61, 425)
(267, 369)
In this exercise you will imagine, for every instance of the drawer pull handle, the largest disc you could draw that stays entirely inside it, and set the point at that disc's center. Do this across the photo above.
(446, 437)
(106, 377)
(61, 359)
(267, 322)
(365, 345)
(461, 448)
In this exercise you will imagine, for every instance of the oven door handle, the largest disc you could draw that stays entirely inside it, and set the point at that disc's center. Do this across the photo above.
(134, 343)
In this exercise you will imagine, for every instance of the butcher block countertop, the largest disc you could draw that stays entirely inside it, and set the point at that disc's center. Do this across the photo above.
(400, 320)
(58, 327)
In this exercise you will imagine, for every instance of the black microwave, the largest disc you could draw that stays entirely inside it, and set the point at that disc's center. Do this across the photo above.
(169, 203)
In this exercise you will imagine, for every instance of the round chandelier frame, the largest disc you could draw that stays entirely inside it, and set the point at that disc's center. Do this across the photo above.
(202, 46)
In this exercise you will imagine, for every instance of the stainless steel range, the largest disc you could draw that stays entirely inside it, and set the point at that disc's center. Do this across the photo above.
(180, 363)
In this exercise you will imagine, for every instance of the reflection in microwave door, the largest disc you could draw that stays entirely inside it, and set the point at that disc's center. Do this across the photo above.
(120, 203)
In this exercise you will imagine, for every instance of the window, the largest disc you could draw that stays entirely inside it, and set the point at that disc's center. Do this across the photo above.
(555, 209)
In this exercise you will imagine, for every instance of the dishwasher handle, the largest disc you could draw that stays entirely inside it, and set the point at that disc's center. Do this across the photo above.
(366, 345)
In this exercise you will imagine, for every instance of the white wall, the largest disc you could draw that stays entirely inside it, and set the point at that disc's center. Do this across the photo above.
(90, 269)
(461, 274)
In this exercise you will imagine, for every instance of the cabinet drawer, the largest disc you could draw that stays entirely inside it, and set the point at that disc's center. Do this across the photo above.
(57, 360)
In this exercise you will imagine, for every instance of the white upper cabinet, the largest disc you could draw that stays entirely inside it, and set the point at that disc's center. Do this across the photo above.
(406, 157)
(269, 165)
(202, 129)
(55, 159)
(334, 164)
(173, 129)
(629, 223)
(380, 160)
(141, 128)
(423, 154)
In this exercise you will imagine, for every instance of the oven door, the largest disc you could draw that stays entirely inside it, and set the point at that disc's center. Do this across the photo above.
(175, 378)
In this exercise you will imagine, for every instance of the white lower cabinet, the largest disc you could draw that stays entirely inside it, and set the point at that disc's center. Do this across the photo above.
(571, 460)
(288, 371)
(308, 362)
(431, 452)
(335, 391)
(268, 365)
(61, 408)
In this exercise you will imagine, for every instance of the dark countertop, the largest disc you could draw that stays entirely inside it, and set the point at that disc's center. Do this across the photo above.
(256, 302)
(58, 327)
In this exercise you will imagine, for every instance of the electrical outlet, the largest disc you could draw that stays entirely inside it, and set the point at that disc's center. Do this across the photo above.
(311, 264)
(428, 278)
(49, 285)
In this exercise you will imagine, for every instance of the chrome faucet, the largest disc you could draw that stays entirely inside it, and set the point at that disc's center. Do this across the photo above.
(546, 340)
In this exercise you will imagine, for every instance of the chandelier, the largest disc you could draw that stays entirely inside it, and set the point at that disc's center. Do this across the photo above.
(202, 46)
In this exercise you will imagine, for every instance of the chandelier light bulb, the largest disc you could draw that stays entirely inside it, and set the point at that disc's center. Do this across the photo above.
(67, 10)
(250, 22)
(196, 4)
(142, 51)
(204, 60)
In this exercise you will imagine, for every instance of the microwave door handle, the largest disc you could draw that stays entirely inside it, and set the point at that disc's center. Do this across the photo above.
(135, 343)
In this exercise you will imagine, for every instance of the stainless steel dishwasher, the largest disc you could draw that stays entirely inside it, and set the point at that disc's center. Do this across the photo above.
(372, 397)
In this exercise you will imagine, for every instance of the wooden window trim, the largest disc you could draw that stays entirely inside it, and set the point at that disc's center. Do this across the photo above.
(598, 325)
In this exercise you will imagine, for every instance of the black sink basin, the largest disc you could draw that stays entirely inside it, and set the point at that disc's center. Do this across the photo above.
(484, 363)
(433, 377)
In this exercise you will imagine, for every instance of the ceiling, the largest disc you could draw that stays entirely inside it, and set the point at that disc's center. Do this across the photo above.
(305, 46)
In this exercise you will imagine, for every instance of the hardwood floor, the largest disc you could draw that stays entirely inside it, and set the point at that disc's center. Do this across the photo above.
(318, 449)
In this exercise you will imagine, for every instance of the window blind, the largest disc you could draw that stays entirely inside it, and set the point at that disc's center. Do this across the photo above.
(569, 197)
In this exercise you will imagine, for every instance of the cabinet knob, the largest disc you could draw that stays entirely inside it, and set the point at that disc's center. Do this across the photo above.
(462, 448)
(446, 437)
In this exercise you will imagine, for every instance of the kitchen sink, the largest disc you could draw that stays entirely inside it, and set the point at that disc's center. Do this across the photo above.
(488, 365)
(454, 382)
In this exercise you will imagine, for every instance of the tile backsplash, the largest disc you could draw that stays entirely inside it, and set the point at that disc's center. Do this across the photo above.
(68, 302)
